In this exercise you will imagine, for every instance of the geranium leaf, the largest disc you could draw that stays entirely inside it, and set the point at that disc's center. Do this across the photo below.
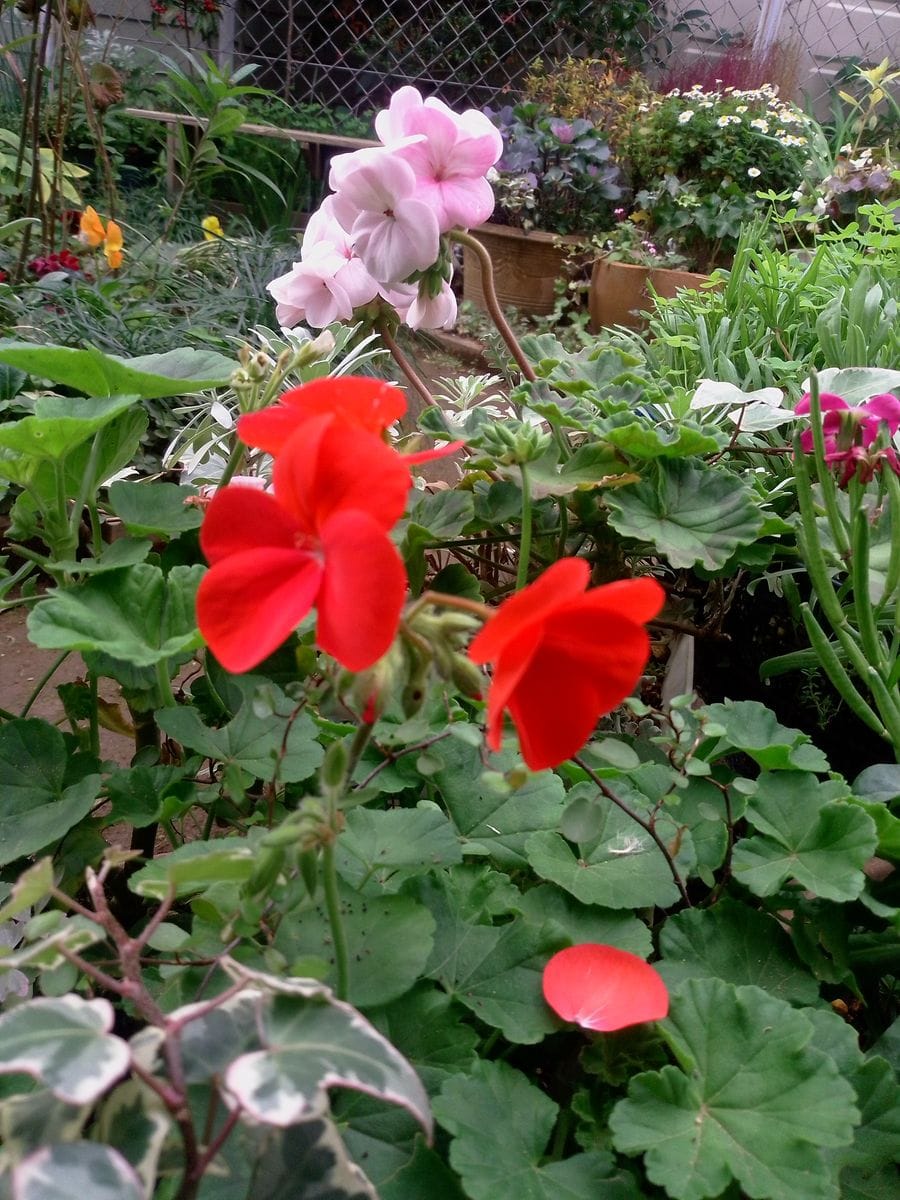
(39, 804)
(375, 845)
(152, 376)
(262, 743)
(622, 867)
(738, 944)
(803, 835)
(750, 1100)
(62, 1171)
(425, 1027)
(644, 441)
(753, 728)
(137, 614)
(501, 1125)
(495, 972)
(308, 1044)
(689, 512)
(586, 922)
(490, 821)
(390, 938)
(154, 509)
(66, 1044)
(54, 432)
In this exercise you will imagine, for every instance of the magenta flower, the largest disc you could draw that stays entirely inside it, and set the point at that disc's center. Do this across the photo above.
(851, 432)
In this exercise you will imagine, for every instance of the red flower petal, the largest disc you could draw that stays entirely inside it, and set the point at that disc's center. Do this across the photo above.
(424, 456)
(362, 592)
(367, 404)
(328, 468)
(240, 518)
(560, 582)
(564, 657)
(600, 987)
(248, 603)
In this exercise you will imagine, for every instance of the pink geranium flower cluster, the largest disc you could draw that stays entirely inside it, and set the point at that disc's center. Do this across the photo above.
(379, 235)
(851, 434)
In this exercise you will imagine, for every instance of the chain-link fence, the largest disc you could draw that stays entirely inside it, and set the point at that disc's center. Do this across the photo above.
(354, 53)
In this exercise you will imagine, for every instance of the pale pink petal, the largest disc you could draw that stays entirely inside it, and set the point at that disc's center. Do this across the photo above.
(396, 243)
(374, 181)
(391, 124)
(323, 227)
(356, 281)
(433, 312)
(458, 200)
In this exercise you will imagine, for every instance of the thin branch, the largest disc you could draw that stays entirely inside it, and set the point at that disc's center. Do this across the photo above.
(647, 826)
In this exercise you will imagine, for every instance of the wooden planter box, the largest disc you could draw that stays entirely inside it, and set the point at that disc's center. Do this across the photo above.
(620, 291)
(526, 267)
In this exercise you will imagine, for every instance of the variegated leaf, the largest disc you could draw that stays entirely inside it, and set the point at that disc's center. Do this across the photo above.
(82, 1169)
(66, 1044)
(134, 1122)
(308, 1045)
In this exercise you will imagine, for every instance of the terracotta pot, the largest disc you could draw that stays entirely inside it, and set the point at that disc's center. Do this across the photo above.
(620, 292)
(526, 267)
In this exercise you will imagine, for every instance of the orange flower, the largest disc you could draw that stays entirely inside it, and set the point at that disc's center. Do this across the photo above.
(93, 234)
(91, 229)
(112, 247)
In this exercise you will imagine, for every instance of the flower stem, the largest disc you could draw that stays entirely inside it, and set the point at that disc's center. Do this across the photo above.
(416, 381)
(525, 542)
(335, 921)
(493, 304)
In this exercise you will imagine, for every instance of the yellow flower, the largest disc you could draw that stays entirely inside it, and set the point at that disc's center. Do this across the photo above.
(212, 229)
(91, 229)
(112, 246)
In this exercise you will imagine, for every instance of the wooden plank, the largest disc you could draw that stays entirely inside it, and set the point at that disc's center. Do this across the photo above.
(305, 137)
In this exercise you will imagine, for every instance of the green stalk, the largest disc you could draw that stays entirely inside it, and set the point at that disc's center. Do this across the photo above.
(42, 682)
(834, 669)
(235, 460)
(826, 479)
(862, 603)
(95, 714)
(164, 685)
(335, 921)
(525, 543)
(808, 539)
(892, 579)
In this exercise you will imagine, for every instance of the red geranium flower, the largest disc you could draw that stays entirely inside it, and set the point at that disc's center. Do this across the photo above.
(600, 987)
(368, 404)
(321, 540)
(563, 656)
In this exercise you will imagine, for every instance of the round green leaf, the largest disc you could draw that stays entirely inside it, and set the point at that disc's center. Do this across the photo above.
(689, 512)
(750, 1100)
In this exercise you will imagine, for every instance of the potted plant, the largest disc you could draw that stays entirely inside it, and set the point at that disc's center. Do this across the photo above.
(554, 186)
(699, 161)
(630, 269)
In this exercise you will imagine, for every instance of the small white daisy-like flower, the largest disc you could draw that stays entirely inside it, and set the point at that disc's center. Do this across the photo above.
(723, 122)
(706, 104)
(761, 124)
(754, 172)
(687, 115)
(741, 108)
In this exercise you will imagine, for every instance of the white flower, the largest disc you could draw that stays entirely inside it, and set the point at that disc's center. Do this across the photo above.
(722, 122)
(707, 104)
(741, 108)
(754, 172)
(761, 124)
(687, 115)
